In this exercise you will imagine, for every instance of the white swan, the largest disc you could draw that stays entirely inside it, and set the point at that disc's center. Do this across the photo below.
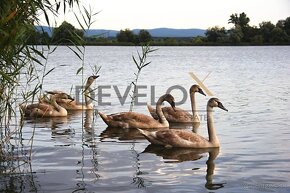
(185, 138)
(137, 120)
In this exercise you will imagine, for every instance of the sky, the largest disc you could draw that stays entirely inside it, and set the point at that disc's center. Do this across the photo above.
(184, 14)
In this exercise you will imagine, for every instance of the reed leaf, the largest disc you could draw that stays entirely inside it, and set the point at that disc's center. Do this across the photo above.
(140, 65)
(49, 72)
(75, 52)
(80, 70)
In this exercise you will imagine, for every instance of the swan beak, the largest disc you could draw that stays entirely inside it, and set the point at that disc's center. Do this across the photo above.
(69, 97)
(173, 105)
(220, 105)
(201, 91)
(95, 77)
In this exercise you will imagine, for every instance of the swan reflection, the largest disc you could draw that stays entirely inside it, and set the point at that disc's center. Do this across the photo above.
(120, 134)
(66, 127)
(47, 122)
(177, 155)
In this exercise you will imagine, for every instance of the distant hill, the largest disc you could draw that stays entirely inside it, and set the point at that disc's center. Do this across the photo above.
(46, 29)
(157, 32)
(102, 33)
(170, 32)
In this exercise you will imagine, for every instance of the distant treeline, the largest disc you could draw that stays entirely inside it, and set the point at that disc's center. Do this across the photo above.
(240, 34)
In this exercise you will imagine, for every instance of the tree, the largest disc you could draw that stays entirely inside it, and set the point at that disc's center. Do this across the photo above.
(283, 35)
(278, 35)
(285, 25)
(144, 36)
(280, 24)
(258, 39)
(266, 29)
(38, 37)
(126, 36)
(66, 33)
(198, 40)
(242, 20)
(236, 35)
(216, 34)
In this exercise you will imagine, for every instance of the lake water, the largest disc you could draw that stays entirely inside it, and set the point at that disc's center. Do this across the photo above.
(80, 154)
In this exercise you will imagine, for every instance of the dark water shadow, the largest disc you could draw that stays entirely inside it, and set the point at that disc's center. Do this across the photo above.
(177, 155)
(120, 134)
(50, 122)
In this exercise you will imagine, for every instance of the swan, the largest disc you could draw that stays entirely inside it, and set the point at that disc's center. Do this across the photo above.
(128, 120)
(180, 115)
(44, 109)
(75, 105)
(184, 138)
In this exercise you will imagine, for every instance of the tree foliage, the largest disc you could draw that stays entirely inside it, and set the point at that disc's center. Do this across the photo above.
(216, 33)
(242, 32)
(239, 20)
(38, 37)
(126, 36)
(66, 33)
(144, 36)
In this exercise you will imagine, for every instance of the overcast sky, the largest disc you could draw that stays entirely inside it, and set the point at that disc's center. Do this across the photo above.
(148, 14)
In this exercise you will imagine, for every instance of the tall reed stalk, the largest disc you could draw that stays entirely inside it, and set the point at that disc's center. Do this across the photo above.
(141, 62)
(19, 76)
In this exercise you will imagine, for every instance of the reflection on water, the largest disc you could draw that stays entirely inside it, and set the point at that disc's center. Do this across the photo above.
(177, 155)
(120, 134)
(80, 154)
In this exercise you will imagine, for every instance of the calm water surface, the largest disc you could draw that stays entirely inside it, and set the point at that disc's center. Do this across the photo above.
(80, 154)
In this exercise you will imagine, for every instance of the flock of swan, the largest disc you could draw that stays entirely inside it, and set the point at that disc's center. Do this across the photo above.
(155, 128)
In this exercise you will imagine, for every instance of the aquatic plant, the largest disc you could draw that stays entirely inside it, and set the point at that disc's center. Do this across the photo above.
(141, 62)
(23, 68)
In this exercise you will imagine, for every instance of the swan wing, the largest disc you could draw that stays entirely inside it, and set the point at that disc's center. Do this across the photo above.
(130, 116)
(132, 120)
(176, 115)
(180, 138)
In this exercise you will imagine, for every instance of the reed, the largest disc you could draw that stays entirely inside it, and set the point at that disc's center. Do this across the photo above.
(23, 69)
(141, 62)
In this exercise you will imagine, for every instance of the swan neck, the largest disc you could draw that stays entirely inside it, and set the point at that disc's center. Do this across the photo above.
(159, 111)
(210, 126)
(55, 105)
(87, 93)
(193, 106)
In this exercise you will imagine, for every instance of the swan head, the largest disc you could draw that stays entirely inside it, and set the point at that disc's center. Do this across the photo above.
(43, 98)
(63, 96)
(196, 88)
(170, 99)
(58, 95)
(215, 102)
(91, 79)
